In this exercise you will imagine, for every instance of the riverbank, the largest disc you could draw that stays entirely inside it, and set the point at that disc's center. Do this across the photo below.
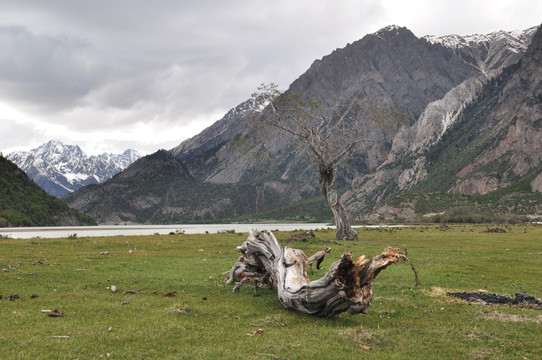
(134, 230)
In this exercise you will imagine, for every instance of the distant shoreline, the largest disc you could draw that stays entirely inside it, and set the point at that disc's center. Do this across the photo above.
(135, 230)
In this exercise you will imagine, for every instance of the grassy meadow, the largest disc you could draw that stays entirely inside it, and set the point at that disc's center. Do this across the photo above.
(205, 320)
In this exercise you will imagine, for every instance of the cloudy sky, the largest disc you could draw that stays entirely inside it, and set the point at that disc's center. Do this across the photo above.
(109, 75)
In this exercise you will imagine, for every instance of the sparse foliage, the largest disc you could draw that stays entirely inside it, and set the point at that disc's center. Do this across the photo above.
(330, 136)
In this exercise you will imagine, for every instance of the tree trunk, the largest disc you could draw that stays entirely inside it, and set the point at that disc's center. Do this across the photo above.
(345, 287)
(328, 187)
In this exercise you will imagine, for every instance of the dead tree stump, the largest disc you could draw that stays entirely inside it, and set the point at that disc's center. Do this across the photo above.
(345, 287)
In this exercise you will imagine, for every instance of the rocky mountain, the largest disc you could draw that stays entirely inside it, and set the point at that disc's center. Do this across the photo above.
(198, 150)
(61, 169)
(391, 68)
(249, 167)
(491, 150)
(158, 188)
(488, 53)
(23, 203)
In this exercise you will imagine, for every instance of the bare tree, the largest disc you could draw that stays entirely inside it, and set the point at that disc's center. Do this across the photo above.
(330, 136)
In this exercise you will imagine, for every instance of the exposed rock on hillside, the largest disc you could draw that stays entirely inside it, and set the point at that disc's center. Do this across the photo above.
(516, 130)
(536, 184)
(490, 55)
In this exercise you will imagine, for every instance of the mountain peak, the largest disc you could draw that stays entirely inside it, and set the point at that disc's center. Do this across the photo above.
(535, 47)
(54, 148)
(391, 31)
(131, 154)
(391, 28)
(488, 53)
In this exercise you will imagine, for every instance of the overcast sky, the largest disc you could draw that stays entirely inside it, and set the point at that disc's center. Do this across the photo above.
(110, 75)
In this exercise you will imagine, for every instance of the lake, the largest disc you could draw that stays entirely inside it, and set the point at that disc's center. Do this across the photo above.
(133, 230)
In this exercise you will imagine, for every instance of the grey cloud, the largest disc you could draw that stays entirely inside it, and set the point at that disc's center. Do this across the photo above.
(109, 65)
(19, 134)
(43, 71)
(124, 51)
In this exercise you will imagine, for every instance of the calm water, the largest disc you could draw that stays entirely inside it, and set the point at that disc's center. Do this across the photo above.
(115, 230)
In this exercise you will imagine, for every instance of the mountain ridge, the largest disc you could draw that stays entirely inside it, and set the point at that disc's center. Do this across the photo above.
(494, 146)
(61, 169)
(480, 50)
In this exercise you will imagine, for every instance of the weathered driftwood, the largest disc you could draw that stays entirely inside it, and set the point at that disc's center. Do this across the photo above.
(345, 287)
(318, 257)
(249, 268)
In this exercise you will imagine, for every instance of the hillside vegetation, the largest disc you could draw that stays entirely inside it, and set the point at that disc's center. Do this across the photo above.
(24, 203)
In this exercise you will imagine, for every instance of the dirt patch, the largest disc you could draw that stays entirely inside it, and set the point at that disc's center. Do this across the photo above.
(496, 230)
(180, 309)
(436, 291)
(495, 315)
(521, 300)
(304, 236)
(479, 354)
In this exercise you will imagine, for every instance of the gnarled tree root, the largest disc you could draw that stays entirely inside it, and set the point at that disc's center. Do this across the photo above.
(345, 287)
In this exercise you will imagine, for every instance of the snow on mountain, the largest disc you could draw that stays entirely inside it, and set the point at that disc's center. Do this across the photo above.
(515, 39)
(489, 53)
(387, 30)
(61, 169)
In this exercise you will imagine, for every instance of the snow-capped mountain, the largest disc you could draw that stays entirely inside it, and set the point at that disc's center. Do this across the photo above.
(61, 169)
(488, 53)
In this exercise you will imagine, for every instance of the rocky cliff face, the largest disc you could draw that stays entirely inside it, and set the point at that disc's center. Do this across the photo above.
(198, 152)
(406, 163)
(517, 133)
(490, 53)
(495, 142)
(436, 118)
(408, 72)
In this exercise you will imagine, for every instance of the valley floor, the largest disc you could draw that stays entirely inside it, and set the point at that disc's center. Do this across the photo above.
(172, 303)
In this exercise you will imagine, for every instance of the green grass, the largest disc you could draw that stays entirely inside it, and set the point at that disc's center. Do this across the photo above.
(206, 321)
